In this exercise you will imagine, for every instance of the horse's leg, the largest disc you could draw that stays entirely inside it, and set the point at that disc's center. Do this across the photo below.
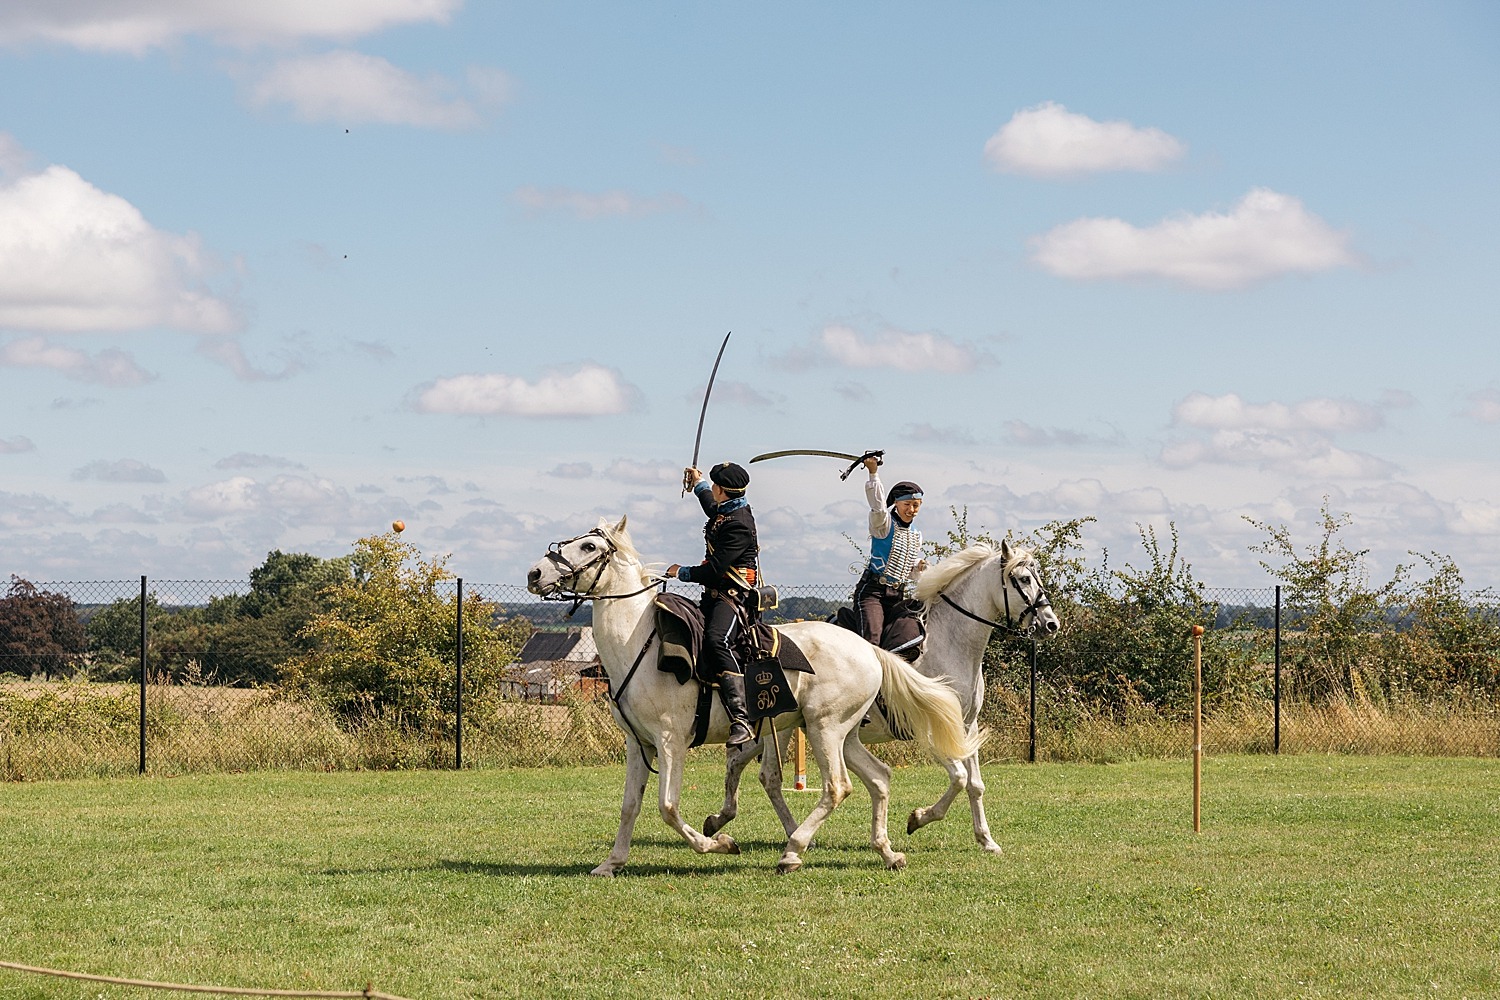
(770, 779)
(630, 807)
(876, 776)
(669, 783)
(976, 807)
(958, 780)
(827, 743)
(735, 762)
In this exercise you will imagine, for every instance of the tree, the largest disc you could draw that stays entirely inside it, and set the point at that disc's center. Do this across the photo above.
(39, 630)
(1336, 616)
(386, 645)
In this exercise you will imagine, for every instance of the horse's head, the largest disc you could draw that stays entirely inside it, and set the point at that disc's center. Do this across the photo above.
(580, 565)
(1032, 610)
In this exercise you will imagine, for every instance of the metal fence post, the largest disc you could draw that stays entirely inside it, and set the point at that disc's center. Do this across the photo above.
(1276, 686)
(458, 685)
(143, 676)
(1031, 753)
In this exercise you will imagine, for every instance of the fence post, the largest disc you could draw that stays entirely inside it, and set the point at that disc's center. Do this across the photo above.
(1276, 686)
(458, 685)
(143, 677)
(1031, 753)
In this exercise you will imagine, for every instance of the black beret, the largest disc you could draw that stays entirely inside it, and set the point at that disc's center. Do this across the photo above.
(729, 476)
(903, 490)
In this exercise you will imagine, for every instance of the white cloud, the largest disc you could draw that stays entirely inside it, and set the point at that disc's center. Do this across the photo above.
(582, 205)
(590, 391)
(1230, 412)
(126, 470)
(572, 470)
(1307, 456)
(1051, 141)
(16, 445)
(75, 258)
(111, 366)
(136, 26)
(900, 350)
(1484, 406)
(1292, 438)
(346, 87)
(1266, 235)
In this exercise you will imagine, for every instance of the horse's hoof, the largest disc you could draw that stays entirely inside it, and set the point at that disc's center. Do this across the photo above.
(787, 867)
(992, 848)
(728, 843)
(712, 825)
(603, 871)
(912, 823)
(897, 862)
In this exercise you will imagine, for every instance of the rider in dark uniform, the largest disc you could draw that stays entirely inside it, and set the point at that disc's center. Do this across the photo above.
(895, 555)
(727, 574)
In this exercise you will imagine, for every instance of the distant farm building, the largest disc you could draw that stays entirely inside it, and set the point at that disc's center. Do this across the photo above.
(553, 666)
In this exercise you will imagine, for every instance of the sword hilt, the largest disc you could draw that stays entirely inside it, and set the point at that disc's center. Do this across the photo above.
(878, 456)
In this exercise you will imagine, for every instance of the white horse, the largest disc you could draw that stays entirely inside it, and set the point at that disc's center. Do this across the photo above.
(964, 597)
(657, 714)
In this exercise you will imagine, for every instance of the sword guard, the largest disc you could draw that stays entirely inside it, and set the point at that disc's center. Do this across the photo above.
(878, 456)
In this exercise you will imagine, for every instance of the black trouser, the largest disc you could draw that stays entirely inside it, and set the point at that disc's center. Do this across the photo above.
(875, 602)
(721, 626)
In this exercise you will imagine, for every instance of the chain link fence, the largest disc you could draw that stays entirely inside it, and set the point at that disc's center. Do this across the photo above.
(175, 676)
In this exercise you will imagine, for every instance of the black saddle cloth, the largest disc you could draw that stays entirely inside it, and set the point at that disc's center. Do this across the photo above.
(904, 634)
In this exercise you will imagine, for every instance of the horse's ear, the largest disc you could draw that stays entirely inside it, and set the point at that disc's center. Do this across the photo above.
(621, 526)
(1005, 550)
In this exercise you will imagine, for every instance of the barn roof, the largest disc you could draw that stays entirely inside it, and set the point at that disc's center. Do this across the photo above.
(574, 644)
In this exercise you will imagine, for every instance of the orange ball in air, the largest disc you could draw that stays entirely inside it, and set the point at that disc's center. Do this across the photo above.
(398, 526)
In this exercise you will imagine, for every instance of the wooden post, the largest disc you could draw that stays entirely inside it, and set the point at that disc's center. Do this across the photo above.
(799, 754)
(1197, 727)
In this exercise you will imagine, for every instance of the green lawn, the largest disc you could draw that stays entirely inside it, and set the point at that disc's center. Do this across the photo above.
(1314, 876)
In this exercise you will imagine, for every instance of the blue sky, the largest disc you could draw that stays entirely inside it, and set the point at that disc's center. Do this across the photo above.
(274, 274)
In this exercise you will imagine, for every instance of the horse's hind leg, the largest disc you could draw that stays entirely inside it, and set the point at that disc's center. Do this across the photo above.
(735, 761)
(770, 779)
(958, 780)
(630, 808)
(828, 751)
(876, 776)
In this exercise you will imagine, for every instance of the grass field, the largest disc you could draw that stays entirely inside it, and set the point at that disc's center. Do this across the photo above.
(1314, 876)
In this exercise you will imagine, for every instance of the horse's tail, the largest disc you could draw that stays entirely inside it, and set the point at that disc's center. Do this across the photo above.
(926, 707)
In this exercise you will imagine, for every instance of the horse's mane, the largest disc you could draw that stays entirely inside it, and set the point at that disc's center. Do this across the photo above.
(939, 578)
(622, 543)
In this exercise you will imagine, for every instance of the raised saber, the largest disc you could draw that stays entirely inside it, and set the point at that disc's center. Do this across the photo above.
(855, 461)
(698, 440)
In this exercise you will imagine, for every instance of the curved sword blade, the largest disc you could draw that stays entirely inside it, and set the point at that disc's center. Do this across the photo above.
(698, 440)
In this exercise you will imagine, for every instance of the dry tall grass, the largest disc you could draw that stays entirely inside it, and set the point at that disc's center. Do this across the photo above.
(76, 729)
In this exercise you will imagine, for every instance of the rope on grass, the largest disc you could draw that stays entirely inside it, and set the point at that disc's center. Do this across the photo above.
(369, 991)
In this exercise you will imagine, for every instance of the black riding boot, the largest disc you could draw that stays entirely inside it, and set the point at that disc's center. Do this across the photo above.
(732, 694)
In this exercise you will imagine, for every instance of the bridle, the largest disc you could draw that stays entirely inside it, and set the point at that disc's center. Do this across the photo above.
(1033, 608)
(574, 591)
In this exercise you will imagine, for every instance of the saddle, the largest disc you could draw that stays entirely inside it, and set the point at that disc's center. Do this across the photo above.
(762, 650)
(904, 634)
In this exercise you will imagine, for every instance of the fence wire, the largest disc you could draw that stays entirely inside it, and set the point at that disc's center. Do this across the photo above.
(238, 676)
